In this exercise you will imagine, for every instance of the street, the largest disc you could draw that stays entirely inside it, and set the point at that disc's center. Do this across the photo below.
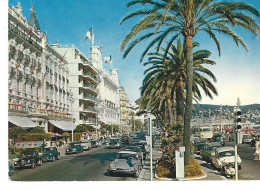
(86, 166)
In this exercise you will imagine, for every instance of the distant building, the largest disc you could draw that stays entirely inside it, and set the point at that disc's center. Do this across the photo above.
(84, 84)
(38, 79)
(109, 100)
(124, 112)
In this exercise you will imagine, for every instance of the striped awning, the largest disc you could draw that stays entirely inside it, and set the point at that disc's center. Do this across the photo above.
(64, 125)
(24, 122)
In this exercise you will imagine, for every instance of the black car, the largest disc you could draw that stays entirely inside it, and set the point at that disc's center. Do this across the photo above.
(28, 158)
(50, 154)
(125, 139)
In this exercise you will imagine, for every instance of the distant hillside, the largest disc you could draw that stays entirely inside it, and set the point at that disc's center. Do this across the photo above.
(214, 109)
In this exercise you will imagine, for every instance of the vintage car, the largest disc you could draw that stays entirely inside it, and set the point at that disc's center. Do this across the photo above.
(94, 144)
(198, 145)
(50, 154)
(126, 162)
(247, 138)
(217, 137)
(106, 140)
(74, 147)
(28, 158)
(86, 144)
(209, 150)
(136, 149)
(142, 146)
(223, 156)
(125, 139)
(114, 143)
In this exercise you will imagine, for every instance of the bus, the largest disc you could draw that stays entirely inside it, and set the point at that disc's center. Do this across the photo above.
(205, 132)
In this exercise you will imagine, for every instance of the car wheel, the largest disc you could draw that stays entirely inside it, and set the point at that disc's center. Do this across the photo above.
(53, 159)
(33, 165)
(239, 167)
(40, 162)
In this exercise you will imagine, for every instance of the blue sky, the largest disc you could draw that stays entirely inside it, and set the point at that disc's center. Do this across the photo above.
(67, 21)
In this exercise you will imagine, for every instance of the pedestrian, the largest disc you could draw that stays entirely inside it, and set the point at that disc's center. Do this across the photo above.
(257, 149)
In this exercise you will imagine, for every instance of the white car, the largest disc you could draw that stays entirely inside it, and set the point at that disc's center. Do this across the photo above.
(86, 144)
(225, 155)
(247, 138)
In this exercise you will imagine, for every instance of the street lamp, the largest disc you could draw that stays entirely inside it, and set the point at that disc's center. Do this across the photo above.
(71, 99)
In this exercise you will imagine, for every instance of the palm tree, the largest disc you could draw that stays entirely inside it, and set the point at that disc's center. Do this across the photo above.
(168, 19)
(169, 76)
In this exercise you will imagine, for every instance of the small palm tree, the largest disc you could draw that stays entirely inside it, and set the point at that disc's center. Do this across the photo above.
(169, 19)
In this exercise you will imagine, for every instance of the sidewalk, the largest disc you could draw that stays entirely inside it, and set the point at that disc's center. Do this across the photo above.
(145, 174)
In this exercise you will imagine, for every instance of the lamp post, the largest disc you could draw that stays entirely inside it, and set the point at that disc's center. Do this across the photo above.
(71, 99)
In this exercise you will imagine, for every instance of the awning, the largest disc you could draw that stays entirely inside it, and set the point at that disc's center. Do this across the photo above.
(24, 122)
(64, 125)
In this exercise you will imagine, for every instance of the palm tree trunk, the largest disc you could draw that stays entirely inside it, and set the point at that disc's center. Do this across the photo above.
(188, 107)
(170, 109)
(179, 101)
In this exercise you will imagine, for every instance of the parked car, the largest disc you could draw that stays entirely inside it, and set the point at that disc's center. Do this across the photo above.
(247, 138)
(28, 158)
(86, 144)
(114, 143)
(217, 137)
(106, 140)
(209, 150)
(136, 149)
(223, 156)
(142, 146)
(50, 154)
(125, 139)
(198, 145)
(94, 144)
(99, 143)
(126, 162)
(74, 147)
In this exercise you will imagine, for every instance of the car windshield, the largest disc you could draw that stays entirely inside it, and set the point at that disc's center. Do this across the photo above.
(135, 149)
(247, 136)
(213, 147)
(26, 154)
(49, 149)
(125, 156)
(113, 141)
(93, 142)
(226, 154)
(204, 129)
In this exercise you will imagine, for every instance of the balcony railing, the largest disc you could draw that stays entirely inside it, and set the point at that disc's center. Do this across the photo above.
(23, 36)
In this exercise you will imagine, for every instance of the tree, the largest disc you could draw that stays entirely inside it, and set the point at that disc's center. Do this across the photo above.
(164, 19)
(84, 128)
(13, 132)
(172, 73)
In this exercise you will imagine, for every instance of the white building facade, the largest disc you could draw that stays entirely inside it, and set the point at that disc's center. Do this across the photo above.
(84, 84)
(108, 106)
(38, 79)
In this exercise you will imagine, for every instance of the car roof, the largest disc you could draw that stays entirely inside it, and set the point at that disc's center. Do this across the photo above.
(127, 152)
(214, 144)
(223, 149)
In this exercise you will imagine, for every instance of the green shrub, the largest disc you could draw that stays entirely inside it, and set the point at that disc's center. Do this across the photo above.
(192, 169)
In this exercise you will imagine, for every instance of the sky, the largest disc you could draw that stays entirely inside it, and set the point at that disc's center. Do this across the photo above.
(66, 21)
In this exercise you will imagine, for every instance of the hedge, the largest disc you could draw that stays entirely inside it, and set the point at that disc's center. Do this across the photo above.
(192, 169)
(33, 136)
(76, 136)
